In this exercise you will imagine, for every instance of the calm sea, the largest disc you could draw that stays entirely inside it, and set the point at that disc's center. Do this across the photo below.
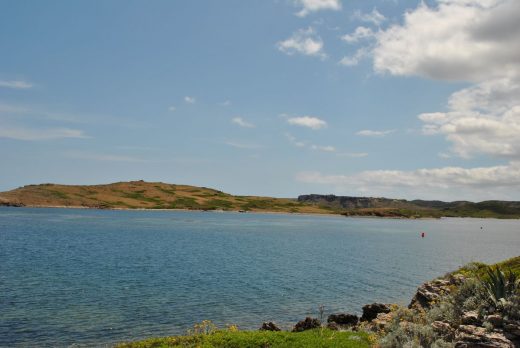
(92, 277)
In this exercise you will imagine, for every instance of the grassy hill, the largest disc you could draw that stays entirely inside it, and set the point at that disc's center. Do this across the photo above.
(387, 207)
(148, 195)
(158, 195)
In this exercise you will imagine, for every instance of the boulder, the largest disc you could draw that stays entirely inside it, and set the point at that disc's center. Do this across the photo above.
(431, 292)
(495, 320)
(343, 319)
(370, 311)
(443, 329)
(382, 320)
(307, 324)
(471, 336)
(512, 328)
(470, 318)
(269, 326)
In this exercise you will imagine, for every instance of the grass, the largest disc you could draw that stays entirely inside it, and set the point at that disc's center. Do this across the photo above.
(157, 195)
(479, 269)
(252, 339)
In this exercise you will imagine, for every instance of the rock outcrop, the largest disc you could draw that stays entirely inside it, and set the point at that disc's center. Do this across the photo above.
(269, 326)
(370, 311)
(307, 324)
(471, 336)
(343, 319)
(430, 292)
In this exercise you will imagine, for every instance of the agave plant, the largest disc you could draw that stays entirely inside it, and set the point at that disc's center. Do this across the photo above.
(500, 286)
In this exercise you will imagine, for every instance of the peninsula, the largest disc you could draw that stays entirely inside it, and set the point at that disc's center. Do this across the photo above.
(158, 195)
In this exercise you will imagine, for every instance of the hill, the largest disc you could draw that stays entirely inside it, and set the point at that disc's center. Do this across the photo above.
(386, 207)
(158, 195)
(148, 195)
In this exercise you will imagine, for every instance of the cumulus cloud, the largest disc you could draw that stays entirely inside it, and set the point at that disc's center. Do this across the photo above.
(307, 121)
(438, 183)
(353, 60)
(303, 41)
(172, 108)
(375, 17)
(242, 123)
(464, 40)
(190, 100)
(30, 134)
(309, 6)
(469, 40)
(374, 133)
(16, 84)
(360, 33)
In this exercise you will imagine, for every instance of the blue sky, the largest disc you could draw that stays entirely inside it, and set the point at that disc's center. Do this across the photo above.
(280, 98)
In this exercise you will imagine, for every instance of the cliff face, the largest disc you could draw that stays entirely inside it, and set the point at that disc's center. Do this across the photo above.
(348, 202)
(375, 206)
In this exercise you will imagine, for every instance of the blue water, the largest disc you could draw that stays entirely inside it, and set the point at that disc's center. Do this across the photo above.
(92, 277)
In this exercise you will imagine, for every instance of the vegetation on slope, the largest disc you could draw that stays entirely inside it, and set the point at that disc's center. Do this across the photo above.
(157, 195)
(149, 195)
(475, 306)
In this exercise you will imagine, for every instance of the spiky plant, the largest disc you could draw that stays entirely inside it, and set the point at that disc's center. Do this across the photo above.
(500, 286)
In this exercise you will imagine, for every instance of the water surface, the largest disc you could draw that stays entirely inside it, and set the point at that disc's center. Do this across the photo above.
(92, 277)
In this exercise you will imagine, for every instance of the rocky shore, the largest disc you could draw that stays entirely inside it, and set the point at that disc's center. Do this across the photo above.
(444, 312)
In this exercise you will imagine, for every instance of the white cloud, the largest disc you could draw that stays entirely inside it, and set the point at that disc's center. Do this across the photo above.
(16, 84)
(294, 141)
(309, 6)
(498, 182)
(172, 108)
(374, 133)
(360, 33)
(307, 121)
(20, 133)
(327, 148)
(466, 40)
(225, 103)
(356, 58)
(240, 145)
(353, 154)
(189, 100)
(242, 123)
(303, 41)
(374, 17)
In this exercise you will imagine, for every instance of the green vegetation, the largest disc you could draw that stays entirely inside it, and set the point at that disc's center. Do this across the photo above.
(158, 195)
(484, 292)
(232, 338)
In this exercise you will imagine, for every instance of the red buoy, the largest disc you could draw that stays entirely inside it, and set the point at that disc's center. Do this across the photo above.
(422, 234)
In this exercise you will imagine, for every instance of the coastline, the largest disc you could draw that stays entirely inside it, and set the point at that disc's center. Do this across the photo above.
(242, 212)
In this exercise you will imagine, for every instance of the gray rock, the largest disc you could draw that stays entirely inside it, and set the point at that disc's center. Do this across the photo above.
(343, 319)
(471, 336)
(495, 320)
(307, 324)
(443, 329)
(370, 311)
(269, 326)
(512, 327)
(431, 292)
(470, 318)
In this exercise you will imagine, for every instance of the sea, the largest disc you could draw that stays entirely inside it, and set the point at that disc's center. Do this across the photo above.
(92, 278)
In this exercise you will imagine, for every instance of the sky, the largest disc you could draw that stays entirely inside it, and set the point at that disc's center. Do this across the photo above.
(393, 98)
